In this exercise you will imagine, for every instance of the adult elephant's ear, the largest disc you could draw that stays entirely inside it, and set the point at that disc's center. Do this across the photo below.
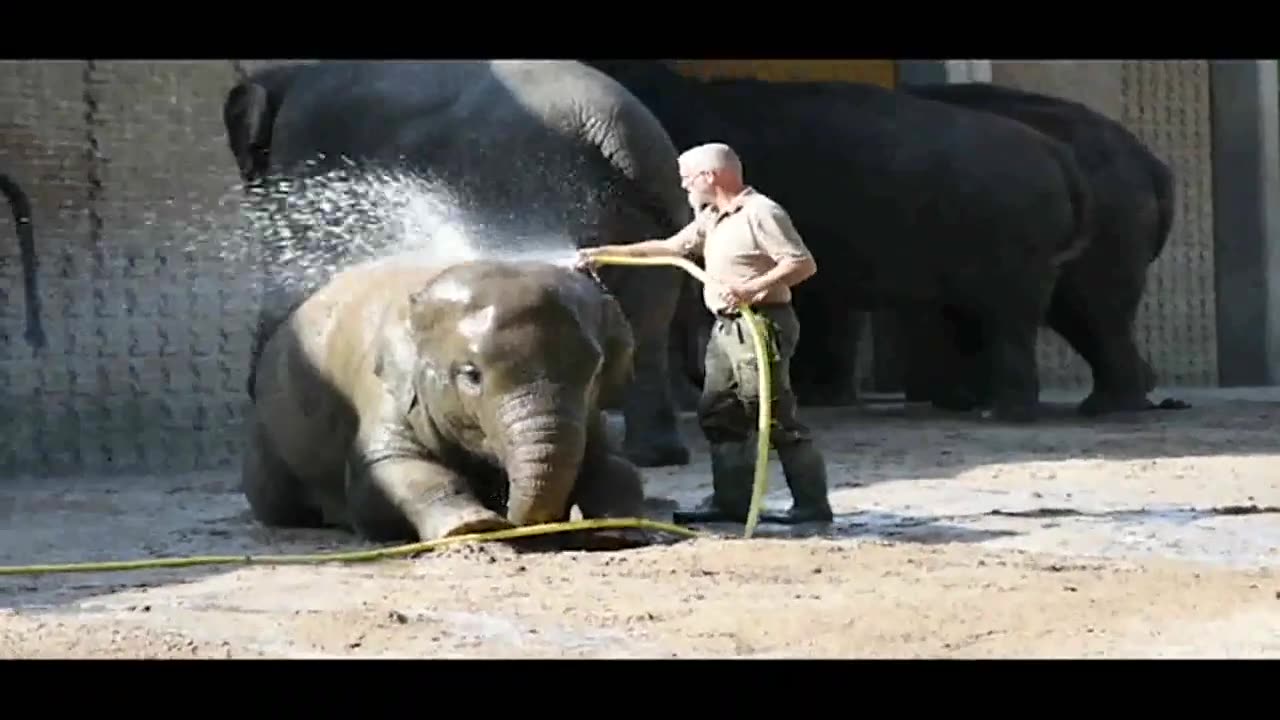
(247, 115)
(618, 341)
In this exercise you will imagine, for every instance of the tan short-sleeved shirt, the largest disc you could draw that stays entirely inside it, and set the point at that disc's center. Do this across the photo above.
(742, 242)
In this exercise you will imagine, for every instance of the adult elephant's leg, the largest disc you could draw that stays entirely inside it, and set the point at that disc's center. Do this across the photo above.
(811, 351)
(839, 381)
(687, 344)
(938, 366)
(1098, 325)
(1010, 329)
(966, 348)
(825, 361)
(648, 296)
(924, 355)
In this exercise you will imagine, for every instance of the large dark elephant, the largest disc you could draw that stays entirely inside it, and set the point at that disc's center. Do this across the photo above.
(1096, 299)
(528, 151)
(21, 207)
(906, 203)
(405, 400)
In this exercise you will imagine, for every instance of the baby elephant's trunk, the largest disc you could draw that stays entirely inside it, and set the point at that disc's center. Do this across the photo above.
(546, 436)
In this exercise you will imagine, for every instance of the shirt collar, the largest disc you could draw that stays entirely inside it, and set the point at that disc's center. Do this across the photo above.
(738, 201)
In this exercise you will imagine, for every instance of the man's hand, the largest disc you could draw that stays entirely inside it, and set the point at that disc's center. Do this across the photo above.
(587, 258)
(736, 293)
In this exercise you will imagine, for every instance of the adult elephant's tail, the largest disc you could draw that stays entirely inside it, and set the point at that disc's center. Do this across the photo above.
(1082, 203)
(21, 207)
(1162, 176)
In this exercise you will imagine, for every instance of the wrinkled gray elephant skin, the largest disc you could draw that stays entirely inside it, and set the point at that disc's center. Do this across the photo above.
(21, 207)
(1096, 299)
(906, 203)
(539, 149)
(405, 401)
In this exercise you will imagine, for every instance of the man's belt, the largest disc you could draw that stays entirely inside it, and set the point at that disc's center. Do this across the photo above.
(770, 329)
(733, 313)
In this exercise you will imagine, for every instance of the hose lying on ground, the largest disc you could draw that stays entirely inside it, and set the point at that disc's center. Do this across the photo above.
(764, 421)
(355, 555)
(764, 424)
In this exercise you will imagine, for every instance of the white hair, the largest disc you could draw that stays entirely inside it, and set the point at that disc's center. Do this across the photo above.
(712, 156)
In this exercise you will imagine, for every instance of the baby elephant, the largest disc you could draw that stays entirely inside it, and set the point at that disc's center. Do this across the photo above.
(405, 402)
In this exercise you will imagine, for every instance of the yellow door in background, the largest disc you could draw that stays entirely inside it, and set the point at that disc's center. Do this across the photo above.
(878, 72)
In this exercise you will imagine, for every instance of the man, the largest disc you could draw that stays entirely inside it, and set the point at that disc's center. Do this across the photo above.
(753, 255)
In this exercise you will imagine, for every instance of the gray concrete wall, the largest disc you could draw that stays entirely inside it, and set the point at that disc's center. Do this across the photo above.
(1246, 164)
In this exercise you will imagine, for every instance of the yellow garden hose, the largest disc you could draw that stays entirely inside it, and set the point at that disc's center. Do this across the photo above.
(351, 556)
(764, 422)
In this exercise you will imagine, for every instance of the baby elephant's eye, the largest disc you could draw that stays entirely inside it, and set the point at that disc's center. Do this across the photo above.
(469, 377)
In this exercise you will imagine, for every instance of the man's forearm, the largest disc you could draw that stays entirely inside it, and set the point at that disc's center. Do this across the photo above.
(787, 272)
(644, 248)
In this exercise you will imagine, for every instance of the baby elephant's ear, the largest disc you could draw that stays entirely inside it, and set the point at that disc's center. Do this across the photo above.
(430, 314)
(394, 365)
(420, 309)
(618, 341)
(397, 358)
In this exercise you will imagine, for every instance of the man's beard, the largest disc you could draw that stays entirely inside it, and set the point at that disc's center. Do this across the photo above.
(699, 199)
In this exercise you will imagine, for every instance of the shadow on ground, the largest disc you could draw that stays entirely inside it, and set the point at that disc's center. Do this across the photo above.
(882, 441)
(919, 529)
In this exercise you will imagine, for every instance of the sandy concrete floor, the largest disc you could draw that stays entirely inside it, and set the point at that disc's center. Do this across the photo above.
(1155, 535)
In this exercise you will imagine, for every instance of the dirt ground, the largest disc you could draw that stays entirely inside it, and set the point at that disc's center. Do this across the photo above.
(1153, 535)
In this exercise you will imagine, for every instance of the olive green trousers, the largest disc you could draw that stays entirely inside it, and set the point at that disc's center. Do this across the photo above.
(728, 410)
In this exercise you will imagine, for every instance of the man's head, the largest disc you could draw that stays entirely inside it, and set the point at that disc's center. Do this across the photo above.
(710, 171)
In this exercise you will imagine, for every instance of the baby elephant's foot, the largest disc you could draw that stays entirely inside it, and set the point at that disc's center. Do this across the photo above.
(463, 518)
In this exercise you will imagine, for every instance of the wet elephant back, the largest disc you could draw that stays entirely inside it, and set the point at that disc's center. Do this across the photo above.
(323, 361)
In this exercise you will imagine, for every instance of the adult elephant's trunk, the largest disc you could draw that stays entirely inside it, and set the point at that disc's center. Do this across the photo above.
(546, 433)
(21, 207)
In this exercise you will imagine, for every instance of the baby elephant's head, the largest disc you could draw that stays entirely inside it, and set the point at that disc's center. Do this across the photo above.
(513, 359)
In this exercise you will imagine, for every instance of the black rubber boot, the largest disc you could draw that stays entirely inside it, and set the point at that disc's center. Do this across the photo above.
(806, 474)
(732, 468)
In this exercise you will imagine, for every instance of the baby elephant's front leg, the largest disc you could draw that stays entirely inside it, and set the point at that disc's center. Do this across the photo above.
(410, 498)
(608, 486)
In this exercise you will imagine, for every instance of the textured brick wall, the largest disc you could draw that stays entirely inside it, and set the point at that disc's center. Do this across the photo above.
(147, 302)
(1166, 104)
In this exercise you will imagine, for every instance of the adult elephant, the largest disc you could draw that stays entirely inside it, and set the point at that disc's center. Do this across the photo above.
(21, 207)
(907, 203)
(1096, 299)
(527, 151)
